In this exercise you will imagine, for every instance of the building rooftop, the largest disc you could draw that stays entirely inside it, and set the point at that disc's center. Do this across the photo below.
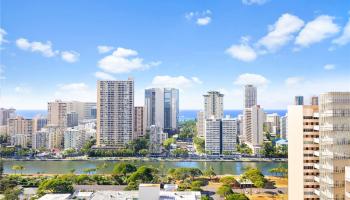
(55, 197)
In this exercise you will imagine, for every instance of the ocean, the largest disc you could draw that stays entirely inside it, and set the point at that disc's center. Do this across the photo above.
(184, 114)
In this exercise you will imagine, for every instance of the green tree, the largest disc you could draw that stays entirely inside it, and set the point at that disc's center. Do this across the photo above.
(144, 174)
(268, 150)
(143, 152)
(17, 168)
(167, 143)
(124, 168)
(12, 194)
(228, 180)
(210, 172)
(236, 196)
(224, 190)
(205, 197)
(255, 176)
(199, 143)
(55, 185)
(244, 149)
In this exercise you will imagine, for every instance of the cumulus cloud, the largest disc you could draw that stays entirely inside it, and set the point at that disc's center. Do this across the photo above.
(252, 2)
(104, 76)
(201, 18)
(281, 32)
(253, 79)
(70, 56)
(329, 67)
(2, 36)
(44, 48)
(243, 52)
(345, 37)
(179, 82)
(317, 30)
(124, 60)
(293, 81)
(75, 91)
(104, 49)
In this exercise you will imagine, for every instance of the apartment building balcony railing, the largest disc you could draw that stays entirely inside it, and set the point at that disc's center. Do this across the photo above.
(316, 166)
(316, 153)
(317, 192)
(317, 140)
(317, 179)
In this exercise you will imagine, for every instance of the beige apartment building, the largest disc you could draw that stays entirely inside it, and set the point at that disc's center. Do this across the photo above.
(138, 122)
(19, 125)
(303, 126)
(57, 113)
(334, 153)
(115, 113)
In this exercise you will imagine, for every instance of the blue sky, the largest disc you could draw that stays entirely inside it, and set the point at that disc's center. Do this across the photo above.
(49, 49)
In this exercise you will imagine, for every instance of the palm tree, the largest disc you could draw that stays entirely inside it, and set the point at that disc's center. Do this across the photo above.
(17, 168)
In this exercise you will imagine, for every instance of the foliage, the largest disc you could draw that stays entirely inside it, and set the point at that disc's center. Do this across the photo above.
(228, 180)
(254, 175)
(224, 190)
(132, 186)
(167, 143)
(144, 174)
(178, 152)
(87, 146)
(138, 144)
(268, 150)
(11, 194)
(124, 168)
(187, 129)
(244, 149)
(89, 170)
(7, 151)
(199, 143)
(236, 196)
(205, 197)
(183, 173)
(111, 153)
(55, 185)
(143, 152)
(210, 172)
(17, 168)
(279, 171)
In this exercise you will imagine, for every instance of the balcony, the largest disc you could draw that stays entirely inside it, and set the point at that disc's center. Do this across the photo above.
(317, 192)
(347, 194)
(316, 128)
(317, 140)
(316, 153)
(316, 166)
(317, 179)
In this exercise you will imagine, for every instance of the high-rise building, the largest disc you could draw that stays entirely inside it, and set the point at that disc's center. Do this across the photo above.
(73, 138)
(85, 110)
(6, 114)
(115, 113)
(272, 123)
(284, 127)
(162, 108)
(72, 119)
(250, 96)
(138, 122)
(19, 125)
(220, 136)
(57, 113)
(298, 100)
(40, 139)
(334, 140)
(55, 137)
(21, 140)
(213, 105)
(157, 137)
(347, 183)
(253, 122)
(303, 126)
(314, 100)
(39, 122)
(200, 123)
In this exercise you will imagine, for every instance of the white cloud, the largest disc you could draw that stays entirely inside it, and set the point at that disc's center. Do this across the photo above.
(44, 48)
(329, 67)
(22, 90)
(104, 76)
(317, 30)
(293, 81)
(70, 56)
(179, 82)
(281, 32)
(2, 36)
(75, 91)
(104, 49)
(201, 18)
(243, 52)
(123, 61)
(196, 80)
(345, 37)
(203, 21)
(251, 2)
(254, 79)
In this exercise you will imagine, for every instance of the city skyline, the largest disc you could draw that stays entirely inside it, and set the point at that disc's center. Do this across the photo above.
(196, 48)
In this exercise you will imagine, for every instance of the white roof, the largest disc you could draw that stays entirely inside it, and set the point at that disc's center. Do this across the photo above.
(55, 197)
